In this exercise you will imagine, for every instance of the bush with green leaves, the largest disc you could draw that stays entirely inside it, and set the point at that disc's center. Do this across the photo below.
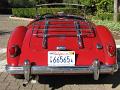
(91, 5)
(105, 16)
(95, 5)
(110, 24)
(23, 12)
(31, 12)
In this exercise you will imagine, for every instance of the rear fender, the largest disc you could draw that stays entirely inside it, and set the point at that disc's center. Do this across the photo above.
(106, 39)
(16, 38)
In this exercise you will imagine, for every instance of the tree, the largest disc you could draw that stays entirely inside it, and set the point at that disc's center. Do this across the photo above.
(115, 10)
(118, 6)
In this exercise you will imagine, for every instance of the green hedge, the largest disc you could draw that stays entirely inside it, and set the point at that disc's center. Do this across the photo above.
(105, 16)
(30, 12)
(110, 24)
(23, 12)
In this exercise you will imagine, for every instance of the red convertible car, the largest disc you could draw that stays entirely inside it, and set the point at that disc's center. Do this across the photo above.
(61, 44)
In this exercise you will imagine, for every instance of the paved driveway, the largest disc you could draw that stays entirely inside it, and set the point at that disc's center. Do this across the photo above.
(71, 82)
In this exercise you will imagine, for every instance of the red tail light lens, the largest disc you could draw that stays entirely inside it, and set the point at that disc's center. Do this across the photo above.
(14, 51)
(111, 50)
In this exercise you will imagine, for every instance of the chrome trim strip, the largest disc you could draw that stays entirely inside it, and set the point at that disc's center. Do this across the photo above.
(60, 70)
(59, 4)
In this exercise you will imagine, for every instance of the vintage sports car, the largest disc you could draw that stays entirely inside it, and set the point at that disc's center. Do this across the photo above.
(61, 44)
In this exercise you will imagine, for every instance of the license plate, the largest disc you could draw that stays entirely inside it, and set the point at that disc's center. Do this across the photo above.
(61, 58)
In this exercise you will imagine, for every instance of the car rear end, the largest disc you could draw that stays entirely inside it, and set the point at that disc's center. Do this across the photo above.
(64, 45)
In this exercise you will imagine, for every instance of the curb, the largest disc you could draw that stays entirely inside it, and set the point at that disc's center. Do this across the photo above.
(19, 18)
(117, 42)
(2, 65)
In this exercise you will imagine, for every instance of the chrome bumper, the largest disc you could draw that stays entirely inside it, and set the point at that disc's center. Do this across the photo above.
(28, 70)
(61, 70)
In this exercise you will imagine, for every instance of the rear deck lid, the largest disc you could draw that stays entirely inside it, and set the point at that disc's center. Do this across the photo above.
(54, 33)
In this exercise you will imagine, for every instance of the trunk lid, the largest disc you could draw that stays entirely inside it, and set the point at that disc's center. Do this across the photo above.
(53, 33)
(72, 34)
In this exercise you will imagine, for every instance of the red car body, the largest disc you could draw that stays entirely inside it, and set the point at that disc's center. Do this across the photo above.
(92, 46)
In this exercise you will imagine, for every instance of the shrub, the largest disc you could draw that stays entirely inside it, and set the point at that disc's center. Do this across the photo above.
(30, 12)
(104, 16)
(110, 24)
(24, 12)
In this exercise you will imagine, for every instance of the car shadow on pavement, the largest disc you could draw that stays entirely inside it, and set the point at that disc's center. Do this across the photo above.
(58, 81)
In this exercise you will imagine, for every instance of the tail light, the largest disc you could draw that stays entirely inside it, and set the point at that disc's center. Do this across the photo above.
(111, 50)
(14, 51)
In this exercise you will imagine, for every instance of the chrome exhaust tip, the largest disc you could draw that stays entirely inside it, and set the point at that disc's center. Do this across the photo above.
(25, 83)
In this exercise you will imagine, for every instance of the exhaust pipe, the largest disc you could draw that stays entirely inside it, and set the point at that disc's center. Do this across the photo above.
(25, 83)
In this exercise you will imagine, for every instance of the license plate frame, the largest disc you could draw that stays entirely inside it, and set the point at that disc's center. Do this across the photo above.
(61, 58)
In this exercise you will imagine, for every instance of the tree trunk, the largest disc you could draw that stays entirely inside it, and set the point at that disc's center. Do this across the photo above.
(115, 10)
(118, 6)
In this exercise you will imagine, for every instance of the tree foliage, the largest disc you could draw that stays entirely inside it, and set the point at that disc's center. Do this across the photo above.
(99, 5)
(105, 5)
